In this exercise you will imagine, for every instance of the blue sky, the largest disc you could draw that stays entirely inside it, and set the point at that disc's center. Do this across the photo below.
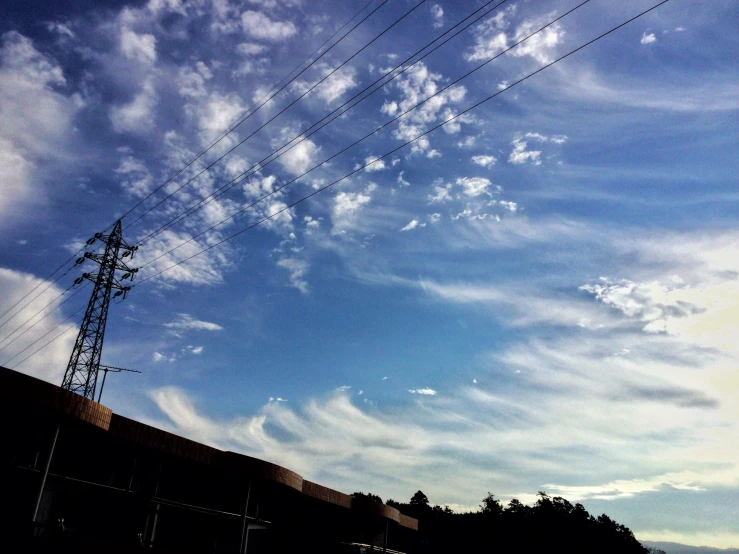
(540, 295)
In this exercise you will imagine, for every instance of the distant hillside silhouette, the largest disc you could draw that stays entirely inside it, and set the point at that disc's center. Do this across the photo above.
(676, 548)
(551, 525)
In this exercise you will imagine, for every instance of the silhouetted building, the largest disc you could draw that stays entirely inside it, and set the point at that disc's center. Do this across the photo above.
(116, 485)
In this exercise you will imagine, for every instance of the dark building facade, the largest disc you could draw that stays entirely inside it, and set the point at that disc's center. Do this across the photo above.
(79, 478)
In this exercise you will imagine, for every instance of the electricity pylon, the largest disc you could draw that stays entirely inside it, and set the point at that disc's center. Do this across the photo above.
(84, 363)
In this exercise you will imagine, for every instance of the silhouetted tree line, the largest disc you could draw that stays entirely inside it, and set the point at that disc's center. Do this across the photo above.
(551, 525)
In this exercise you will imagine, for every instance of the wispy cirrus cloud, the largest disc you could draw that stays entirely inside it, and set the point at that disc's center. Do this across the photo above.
(186, 322)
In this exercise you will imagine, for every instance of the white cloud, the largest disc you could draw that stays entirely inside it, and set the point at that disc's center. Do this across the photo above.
(139, 47)
(487, 44)
(701, 313)
(192, 82)
(36, 121)
(187, 322)
(484, 160)
(346, 206)
(540, 46)
(510, 206)
(438, 14)
(64, 30)
(519, 154)
(648, 38)
(159, 357)
(335, 86)
(209, 109)
(200, 270)
(257, 187)
(411, 225)
(347, 202)
(474, 212)
(49, 364)
(584, 85)
(297, 269)
(415, 85)
(196, 350)
(468, 142)
(259, 26)
(379, 165)
(425, 391)
(250, 49)
(137, 116)
(491, 39)
(442, 193)
(556, 139)
(474, 186)
(301, 158)
(135, 177)
(556, 402)
(312, 223)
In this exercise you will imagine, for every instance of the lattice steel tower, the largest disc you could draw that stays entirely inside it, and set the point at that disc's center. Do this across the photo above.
(84, 364)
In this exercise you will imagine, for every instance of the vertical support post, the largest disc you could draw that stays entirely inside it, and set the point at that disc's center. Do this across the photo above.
(384, 537)
(244, 523)
(154, 525)
(133, 472)
(102, 385)
(44, 475)
(153, 516)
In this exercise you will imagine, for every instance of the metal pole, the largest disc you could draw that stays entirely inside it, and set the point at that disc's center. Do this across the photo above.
(44, 475)
(244, 524)
(133, 472)
(384, 539)
(102, 385)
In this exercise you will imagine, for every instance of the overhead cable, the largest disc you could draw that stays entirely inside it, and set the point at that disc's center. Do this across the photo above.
(436, 127)
(253, 109)
(48, 343)
(278, 114)
(368, 135)
(418, 137)
(313, 129)
(37, 313)
(70, 316)
(262, 101)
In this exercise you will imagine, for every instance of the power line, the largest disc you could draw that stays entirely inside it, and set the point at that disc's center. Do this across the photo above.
(88, 243)
(304, 135)
(70, 316)
(45, 316)
(283, 110)
(41, 282)
(33, 289)
(57, 297)
(436, 127)
(253, 109)
(262, 101)
(47, 343)
(396, 118)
